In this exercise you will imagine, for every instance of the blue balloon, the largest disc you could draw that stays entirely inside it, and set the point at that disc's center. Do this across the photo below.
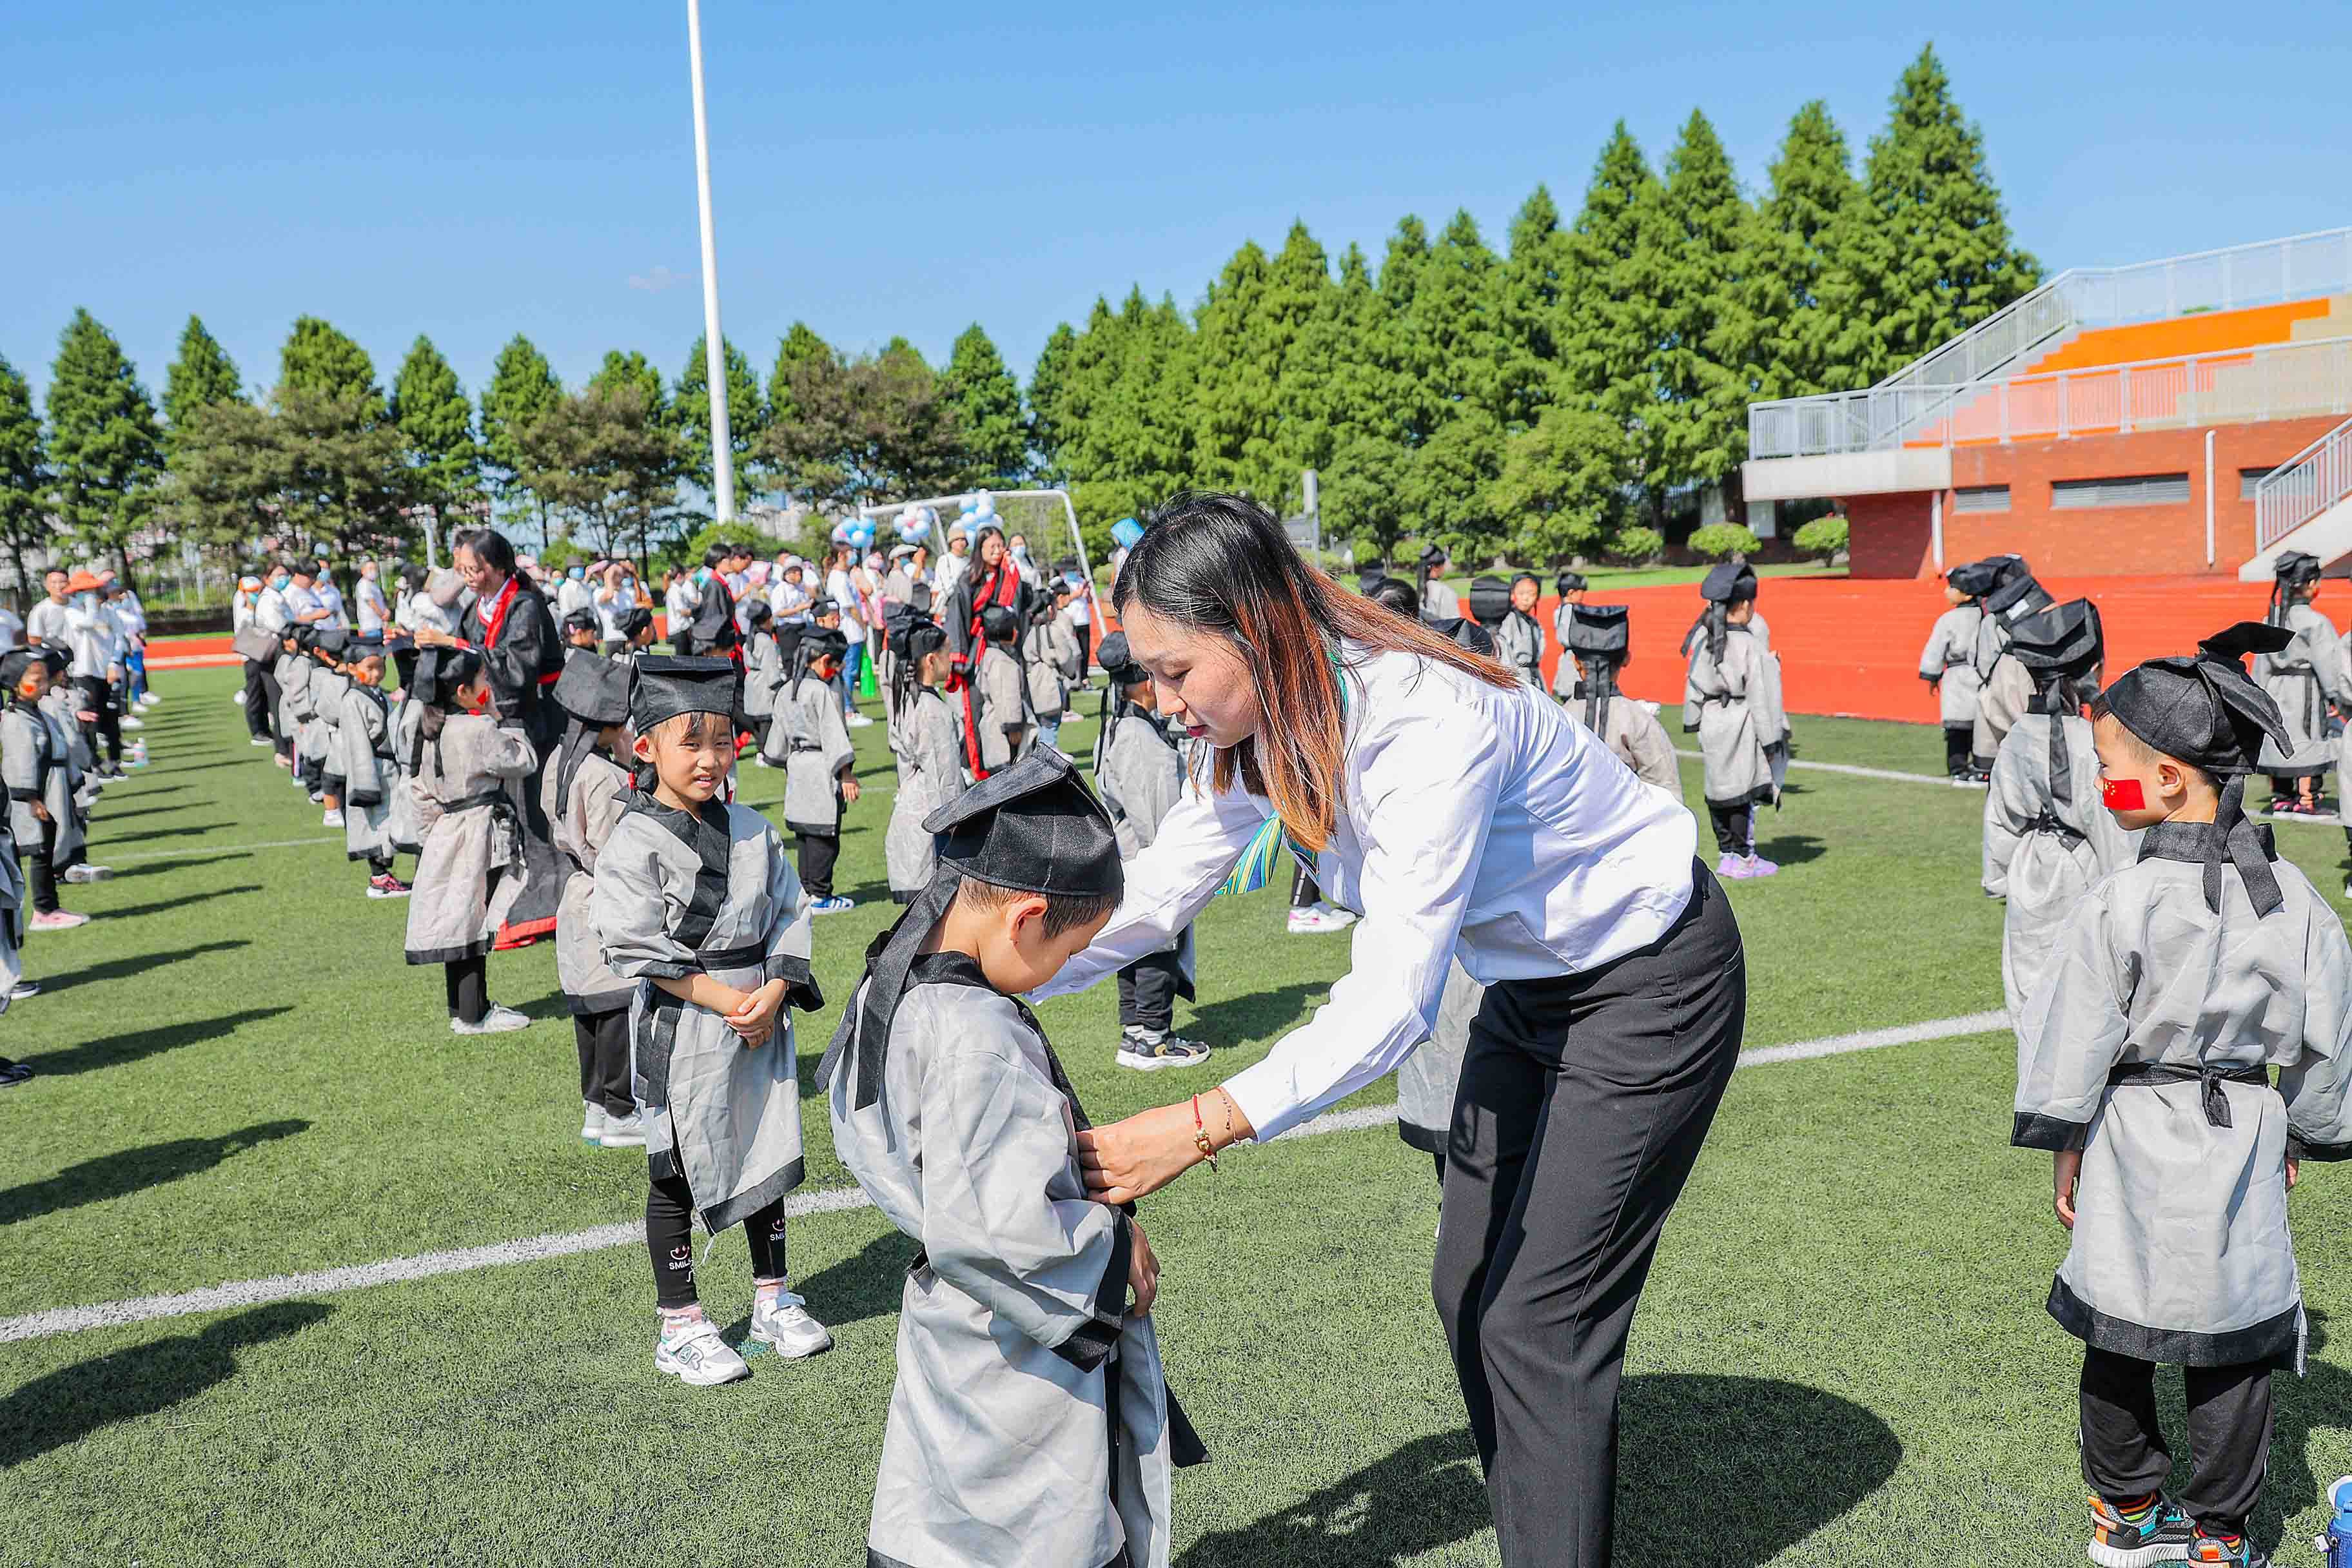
(1128, 532)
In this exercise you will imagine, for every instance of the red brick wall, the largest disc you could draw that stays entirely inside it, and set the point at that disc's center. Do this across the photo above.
(1890, 533)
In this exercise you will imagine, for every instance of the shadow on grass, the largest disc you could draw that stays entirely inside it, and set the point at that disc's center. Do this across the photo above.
(151, 810)
(113, 1050)
(74, 1402)
(1257, 1016)
(117, 840)
(866, 1286)
(135, 1170)
(2299, 1407)
(1791, 848)
(128, 910)
(197, 767)
(136, 963)
(1795, 1457)
(178, 860)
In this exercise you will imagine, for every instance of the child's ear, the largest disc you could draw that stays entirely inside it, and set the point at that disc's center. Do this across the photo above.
(2171, 780)
(1020, 912)
(642, 747)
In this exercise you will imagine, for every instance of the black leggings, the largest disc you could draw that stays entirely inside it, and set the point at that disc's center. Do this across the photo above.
(1303, 891)
(819, 853)
(1147, 991)
(669, 1241)
(604, 1042)
(43, 875)
(2124, 1454)
(467, 982)
(1957, 738)
(1735, 826)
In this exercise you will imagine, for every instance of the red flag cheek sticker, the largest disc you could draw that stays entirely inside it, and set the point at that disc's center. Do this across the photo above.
(2122, 795)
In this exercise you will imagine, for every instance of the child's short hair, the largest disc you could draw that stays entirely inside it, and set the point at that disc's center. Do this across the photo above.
(2102, 709)
(1062, 913)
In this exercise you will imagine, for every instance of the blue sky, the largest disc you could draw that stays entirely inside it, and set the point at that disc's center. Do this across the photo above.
(516, 165)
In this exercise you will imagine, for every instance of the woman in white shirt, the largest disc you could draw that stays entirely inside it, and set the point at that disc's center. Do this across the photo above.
(1465, 816)
(614, 596)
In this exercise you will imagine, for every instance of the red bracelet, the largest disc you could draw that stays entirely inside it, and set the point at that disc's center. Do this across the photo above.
(1201, 1135)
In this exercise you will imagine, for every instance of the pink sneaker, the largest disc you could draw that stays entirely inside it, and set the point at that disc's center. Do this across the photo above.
(58, 919)
(1733, 867)
(1759, 866)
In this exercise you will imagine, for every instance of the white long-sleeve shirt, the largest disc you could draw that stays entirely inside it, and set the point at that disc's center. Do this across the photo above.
(46, 624)
(1479, 821)
(269, 609)
(96, 637)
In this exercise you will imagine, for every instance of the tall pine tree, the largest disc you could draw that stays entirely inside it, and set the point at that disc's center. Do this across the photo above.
(988, 409)
(1534, 298)
(1239, 363)
(630, 372)
(1330, 390)
(320, 359)
(1813, 191)
(1926, 253)
(105, 445)
(798, 347)
(24, 474)
(201, 376)
(1050, 416)
(436, 420)
(689, 410)
(1608, 344)
(522, 388)
(1709, 343)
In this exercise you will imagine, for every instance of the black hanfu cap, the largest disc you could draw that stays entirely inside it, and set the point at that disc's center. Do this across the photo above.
(823, 642)
(1033, 827)
(595, 689)
(633, 619)
(2063, 640)
(13, 666)
(2014, 593)
(999, 624)
(1466, 632)
(402, 653)
(1569, 582)
(1118, 661)
(1973, 579)
(363, 645)
(1729, 583)
(1598, 632)
(2205, 712)
(669, 685)
(581, 620)
(331, 641)
(440, 671)
(2295, 568)
(58, 660)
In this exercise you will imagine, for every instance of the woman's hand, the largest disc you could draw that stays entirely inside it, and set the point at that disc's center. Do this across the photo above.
(2066, 1170)
(1127, 1159)
(1142, 1272)
(434, 636)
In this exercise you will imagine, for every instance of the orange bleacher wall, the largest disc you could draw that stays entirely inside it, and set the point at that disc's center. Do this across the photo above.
(2208, 332)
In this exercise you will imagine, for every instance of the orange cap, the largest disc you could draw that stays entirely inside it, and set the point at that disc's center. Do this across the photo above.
(81, 582)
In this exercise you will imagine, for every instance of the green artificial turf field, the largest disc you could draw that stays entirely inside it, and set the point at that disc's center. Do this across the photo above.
(1842, 1357)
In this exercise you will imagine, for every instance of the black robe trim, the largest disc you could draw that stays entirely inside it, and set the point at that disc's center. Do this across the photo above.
(2052, 1132)
(450, 954)
(883, 1559)
(2274, 1341)
(742, 1207)
(1428, 1140)
(707, 835)
(656, 1039)
(2297, 1149)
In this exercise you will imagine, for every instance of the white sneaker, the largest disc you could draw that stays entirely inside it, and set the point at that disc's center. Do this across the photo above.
(86, 872)
(855, 720)
(149, 699)
(593, 1122)
(1340, 918)
(500, 1020)
(783, 1322)
(258, 739)
(1309, 920)
(332, 819)
(693, 1353)
(760, 760)
(128, 722)
(625, 1132)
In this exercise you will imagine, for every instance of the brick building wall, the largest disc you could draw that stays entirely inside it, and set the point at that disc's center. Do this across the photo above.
(1890, 535)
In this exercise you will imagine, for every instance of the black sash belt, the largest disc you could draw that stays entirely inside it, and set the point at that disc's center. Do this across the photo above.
(2143, 1075)
(492, 797)
(2050, 822)
(752, 957)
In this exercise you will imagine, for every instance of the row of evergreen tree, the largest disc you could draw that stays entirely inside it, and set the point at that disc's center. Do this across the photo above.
(1552, 398)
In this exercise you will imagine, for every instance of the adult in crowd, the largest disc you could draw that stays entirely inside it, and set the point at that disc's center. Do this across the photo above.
(46, 625)
(368, 601)
(510, 626)
(1018, 545)
(260, 698)
(436, 602)
(614, 595)
(991, 581)
(304, 607)
(573, 593)
(95, 639)
(330, 595)
(852, 589)
(12, 628)
(951, 567)
(714, 632)
(1467, 817)
(132, 696)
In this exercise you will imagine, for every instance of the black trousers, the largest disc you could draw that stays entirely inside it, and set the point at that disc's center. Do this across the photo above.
(43, 874)
(467, 981)
(260, 699)
(1955, 748)
(97, 696)
(669, 1241)
(819, 851)
(604, 1042)
(1582, 1104)
(1147, 991)
(2124, 1456)
(1735, 826)
(1303, 891)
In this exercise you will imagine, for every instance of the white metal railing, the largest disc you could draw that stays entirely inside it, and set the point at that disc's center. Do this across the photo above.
(2272, 271)
(2304, 486)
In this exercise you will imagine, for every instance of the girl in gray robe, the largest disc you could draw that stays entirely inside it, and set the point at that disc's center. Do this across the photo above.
(584, 792)
(1573, 588)
(12, 938)
(471, 868)
(1731, 701)
(1594, 649)
(2303, 677)
(36, 765)
(363, 759)
(2046, 836)
(1139, 773)
(1948, 665)
(328, 686)
(294, 674)
(2173, 985)
(811, 739)
(931, 770)
(695, 901)
(2004, 688)
(763, 672)
(401, 828)
(1004, 723)
(1518, 638)
(1030, 1421)
(1049, 650)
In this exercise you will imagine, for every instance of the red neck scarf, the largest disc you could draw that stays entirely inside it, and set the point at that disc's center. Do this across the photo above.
(494, 613)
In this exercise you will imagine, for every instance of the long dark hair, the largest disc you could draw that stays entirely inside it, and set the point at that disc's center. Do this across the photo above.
(490, 547)
(1221, 563)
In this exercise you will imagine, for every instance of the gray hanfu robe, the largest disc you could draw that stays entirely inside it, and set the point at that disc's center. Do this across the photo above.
(810, 740)
(294, 672)
(763, 672)
(363, 759)
(1949, 660)
(581, 822)
(1629, 728)
(1734, 705)
(12, 913)
(1139, 773)
(322, 700)
(1426, 1083)
(1014, 1344)
(709, 891)
(2302, 678)
(1003, 707)
(1050, 652)
(471, 870)
(402, 829)
(2044, 843)
(2003, 690)
(931, 774)
(71, 738)
(1519, 643)
(2144, 1048)
(36, 766)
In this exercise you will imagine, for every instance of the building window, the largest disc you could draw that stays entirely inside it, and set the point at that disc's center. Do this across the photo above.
(1981, 497)
(2130, 489)
(2250, 481)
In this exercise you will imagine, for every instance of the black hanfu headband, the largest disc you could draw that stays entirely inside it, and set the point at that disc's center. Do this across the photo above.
(2295, 568)
(1033, 827)
(823, 642)
(670, 684)
(1118, 661)
(2206, 712)
(1972, 579)
(1598, 632)
(1465, 632)
(331, 641)
(1729, 583)
(595, 689)
(13, 665)
(2063, 640)
(440, 671)
(1569, 582)
(365, 645)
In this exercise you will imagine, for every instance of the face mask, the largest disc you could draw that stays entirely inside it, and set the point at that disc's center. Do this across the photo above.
(279, 583)
(702, 575)
(578, 572)
(2122, 795)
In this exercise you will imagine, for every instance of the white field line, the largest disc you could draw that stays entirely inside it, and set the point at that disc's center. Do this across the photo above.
(1851, 770)
(827, 1200)
(199, 851)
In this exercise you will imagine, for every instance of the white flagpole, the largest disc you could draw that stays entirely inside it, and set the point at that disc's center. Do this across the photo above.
(722, 453)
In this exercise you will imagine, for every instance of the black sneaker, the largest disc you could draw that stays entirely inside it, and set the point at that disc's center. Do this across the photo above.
(2226, 1551)
(2132, 1539)
(12, 1073)
(1148, 1050)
